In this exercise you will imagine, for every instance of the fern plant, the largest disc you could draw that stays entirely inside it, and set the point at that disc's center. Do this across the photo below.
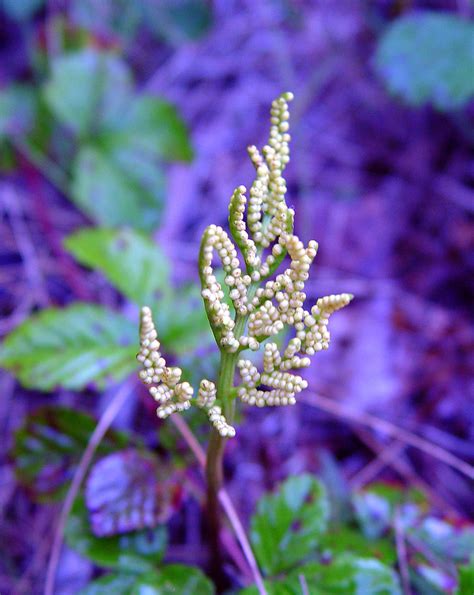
(264, 301)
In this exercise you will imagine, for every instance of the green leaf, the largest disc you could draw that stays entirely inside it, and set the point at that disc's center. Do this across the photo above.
(89, 90)
(71, 347)
(429, 57)
(373, 512)
(288, 525)
(346, 574)
(111, 584)
(117, 17)
(466, 579)
(18, 107)
(21, 10)
(118, 186)
(140, 551)
(130, 490)
(154, 127)
(134, 264)
(347, 540)
(174, 579)
(48, 447)
(178, 22)
(446, 541)
(182, 333)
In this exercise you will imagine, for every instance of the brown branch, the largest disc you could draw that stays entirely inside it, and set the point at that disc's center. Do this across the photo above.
(97, 435)
(386, 427)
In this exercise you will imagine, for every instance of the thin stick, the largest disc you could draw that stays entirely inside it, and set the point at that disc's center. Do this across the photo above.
(376, 423)
(402, 554)
(225, 501)
(97, 435)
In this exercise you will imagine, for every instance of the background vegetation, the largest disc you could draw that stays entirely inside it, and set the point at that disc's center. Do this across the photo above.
(123, 129)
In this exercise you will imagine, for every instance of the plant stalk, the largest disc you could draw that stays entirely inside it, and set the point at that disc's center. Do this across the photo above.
(216, 446)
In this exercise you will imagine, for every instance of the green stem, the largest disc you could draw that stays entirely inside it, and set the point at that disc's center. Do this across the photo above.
(216, 446)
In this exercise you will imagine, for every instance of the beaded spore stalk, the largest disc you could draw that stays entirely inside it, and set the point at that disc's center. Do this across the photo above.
(264, 301)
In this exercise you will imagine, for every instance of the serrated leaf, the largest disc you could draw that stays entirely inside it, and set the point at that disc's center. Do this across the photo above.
(71, 347)
(21, 10)
(345, 575)
(48, 447)
(140, 551)
(289, 523)
(129, 490)
(429, 57)
(118, 186)
(18, 108)
(134, 264)
(89, 90)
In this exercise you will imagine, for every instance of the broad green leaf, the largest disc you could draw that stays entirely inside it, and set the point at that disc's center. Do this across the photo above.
(345, 575)
(154, 127)
(89, 90)
(71, 347)
(139, 551)
(182, 333)
(174, 579)
(288, 524)
(119, 583)
(134, 264)
(48, 447)
(466, 578)
(429, 57)
(130, 490)
(118, 186)
(21, 10)
(17, 110)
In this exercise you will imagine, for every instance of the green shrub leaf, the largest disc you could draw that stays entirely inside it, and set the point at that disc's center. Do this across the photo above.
(345, 575)
(466, 578)
(139, 551)
(288, 524)
(129, 490)
(48, 447)
(111, 584)
(18, 108)
(118, 186)
(429, 57)
(71, 347)
(89, 90)
(172, 579)
(134, 264)
(154, 127)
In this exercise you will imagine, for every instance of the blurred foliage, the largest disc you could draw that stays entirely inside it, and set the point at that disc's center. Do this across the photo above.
(71, 347)
(428, 57)
(48, 447)
(131, 261)
(287, 525)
